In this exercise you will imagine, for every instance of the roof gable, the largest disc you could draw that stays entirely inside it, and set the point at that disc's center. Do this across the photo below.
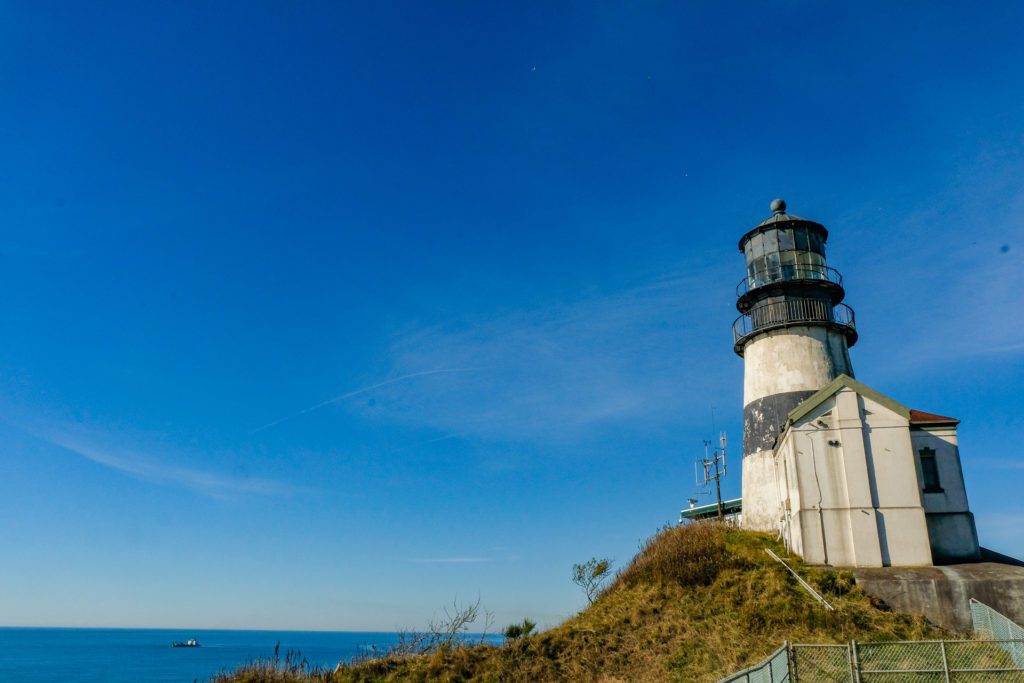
(845, 381)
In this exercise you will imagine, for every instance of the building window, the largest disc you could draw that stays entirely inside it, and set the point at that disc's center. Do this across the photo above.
(929, 471)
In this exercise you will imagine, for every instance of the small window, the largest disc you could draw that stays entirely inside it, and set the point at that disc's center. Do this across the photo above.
(929, 471)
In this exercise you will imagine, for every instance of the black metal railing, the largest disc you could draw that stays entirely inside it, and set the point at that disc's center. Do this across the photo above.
(761, 278)
(767, 316)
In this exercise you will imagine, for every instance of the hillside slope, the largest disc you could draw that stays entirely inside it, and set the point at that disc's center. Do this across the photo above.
(696, 603)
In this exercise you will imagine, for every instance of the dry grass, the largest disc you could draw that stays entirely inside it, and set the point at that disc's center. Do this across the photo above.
(696, 603)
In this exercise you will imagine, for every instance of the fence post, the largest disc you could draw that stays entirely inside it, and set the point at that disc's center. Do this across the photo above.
(791, 656)
(945, 660)
(854, 665)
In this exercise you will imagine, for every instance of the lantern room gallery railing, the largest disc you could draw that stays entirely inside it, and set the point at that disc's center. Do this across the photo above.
(767, 316)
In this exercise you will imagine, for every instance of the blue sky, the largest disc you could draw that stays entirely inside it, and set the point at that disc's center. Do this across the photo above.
(319, 316)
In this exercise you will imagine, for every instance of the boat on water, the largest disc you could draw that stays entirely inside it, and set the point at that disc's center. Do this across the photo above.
(188, 643)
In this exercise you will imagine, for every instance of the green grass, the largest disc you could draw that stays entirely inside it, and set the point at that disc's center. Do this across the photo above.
(695, 604)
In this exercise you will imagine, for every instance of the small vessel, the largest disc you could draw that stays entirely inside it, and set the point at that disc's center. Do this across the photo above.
(188, 643)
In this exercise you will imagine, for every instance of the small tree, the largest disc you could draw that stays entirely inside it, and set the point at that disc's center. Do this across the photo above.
(442, 634)
(517, 631)
(591, 575)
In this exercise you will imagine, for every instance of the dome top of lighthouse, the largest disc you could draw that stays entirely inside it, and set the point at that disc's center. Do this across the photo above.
(779, 219)
(779, 215)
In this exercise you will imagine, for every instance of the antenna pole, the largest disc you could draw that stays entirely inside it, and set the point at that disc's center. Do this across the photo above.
(718, 490)
(714, 458)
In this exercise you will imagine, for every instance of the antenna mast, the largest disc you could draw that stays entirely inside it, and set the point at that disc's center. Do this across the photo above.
(714, 467)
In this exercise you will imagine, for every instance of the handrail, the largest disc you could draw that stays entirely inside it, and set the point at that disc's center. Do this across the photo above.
(788, 273)
(767, 316)
(806, 586)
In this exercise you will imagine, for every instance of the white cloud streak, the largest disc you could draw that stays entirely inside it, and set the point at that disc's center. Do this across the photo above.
(449, 560)
(635, 358)
(943, 284)
(150, 468)
(357, 392)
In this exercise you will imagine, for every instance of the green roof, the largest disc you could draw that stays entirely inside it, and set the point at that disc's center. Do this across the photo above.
(826, 392)
(710, 510)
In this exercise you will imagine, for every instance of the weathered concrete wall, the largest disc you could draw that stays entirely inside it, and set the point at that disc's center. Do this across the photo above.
(760, 502)
(780, 369)
(942, 594)
(848, 493)
(943, 440)
(793, 359)
(954, 537)
(764, 417)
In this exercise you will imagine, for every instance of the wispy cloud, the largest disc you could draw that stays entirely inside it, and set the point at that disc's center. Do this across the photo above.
(997, 463)
(357, 392)
(944, 281)
(154, 469)
(449, 560)
(650, 355)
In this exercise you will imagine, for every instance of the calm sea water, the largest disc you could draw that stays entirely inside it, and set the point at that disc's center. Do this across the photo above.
(44, 655)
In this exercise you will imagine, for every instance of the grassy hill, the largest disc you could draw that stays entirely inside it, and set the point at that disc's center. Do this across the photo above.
(695, 604)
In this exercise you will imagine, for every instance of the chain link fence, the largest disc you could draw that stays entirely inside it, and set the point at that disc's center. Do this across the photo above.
(775, 669)
(990, 624)
(821, 663)
(919, 661)
(943, 661)
(997, 657)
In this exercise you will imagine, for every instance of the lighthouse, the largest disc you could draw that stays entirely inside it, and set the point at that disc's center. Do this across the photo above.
(794, 334)
(844, 474)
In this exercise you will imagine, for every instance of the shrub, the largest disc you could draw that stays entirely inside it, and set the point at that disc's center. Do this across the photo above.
(517, 631)
(691, 555)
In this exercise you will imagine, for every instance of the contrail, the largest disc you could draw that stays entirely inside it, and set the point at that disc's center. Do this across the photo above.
(356, 392)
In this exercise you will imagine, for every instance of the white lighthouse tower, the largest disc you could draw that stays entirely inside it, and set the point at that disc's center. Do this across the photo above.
(794, 335)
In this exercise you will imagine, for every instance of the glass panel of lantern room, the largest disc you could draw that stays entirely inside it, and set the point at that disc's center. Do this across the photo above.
(757, 275)
(757, 246)
(800, 237)
(817, 266)
(771, 241)
(800, 269)
(787, 263)
(786, 239)
(817, 244)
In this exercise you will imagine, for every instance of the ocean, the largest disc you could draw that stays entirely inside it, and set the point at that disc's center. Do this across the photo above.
(101, 655)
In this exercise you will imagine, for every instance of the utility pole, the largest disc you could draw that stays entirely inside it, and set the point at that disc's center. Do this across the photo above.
(714, 467)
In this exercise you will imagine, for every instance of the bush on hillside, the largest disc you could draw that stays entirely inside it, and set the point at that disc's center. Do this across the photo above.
(691, 555)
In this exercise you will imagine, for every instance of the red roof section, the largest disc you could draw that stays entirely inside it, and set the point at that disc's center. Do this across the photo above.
(920, 416)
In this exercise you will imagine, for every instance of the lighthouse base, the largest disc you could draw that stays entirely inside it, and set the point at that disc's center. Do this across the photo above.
(761, 510)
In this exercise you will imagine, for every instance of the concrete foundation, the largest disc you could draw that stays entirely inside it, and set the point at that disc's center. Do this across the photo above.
(942, 594)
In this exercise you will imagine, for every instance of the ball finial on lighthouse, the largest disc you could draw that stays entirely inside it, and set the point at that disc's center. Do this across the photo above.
(778, 206)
